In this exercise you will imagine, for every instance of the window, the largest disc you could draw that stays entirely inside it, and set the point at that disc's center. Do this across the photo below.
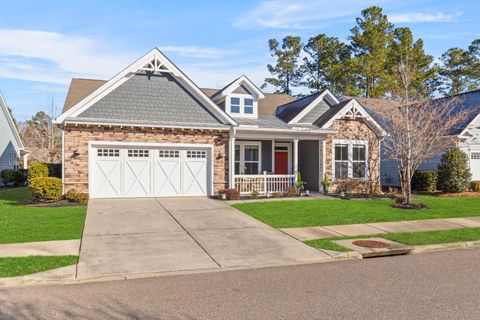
(248, 106)
(196, 154)
(359, 160)
(350, 160)
(475, 155)
(247, 158)
(168, 153)
(235, 105)
(108, 153)
(341, 161)
(137, 153)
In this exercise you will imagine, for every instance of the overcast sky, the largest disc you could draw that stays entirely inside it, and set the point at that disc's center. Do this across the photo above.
(43, 44)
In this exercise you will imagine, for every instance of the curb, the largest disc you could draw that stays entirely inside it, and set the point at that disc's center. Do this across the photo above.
(445, 246)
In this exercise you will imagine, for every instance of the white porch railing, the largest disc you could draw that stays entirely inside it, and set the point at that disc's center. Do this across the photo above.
(263, 183)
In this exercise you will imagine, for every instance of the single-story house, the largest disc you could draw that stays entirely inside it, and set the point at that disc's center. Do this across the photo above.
(466, 136)
(11, 146)
(150, 131)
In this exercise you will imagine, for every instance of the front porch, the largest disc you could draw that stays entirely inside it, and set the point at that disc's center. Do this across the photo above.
(270, 166)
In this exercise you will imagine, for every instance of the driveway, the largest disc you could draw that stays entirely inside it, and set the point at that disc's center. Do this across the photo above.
(178, 234)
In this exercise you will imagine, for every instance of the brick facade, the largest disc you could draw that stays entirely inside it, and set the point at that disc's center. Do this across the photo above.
(77, 138)
(357, 129)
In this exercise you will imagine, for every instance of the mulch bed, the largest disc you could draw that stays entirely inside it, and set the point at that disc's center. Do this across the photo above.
(370, 244)
(61, 203)
(411, 206)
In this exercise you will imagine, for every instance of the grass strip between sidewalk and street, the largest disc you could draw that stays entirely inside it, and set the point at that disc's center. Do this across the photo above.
(19, 266)
(408, 238)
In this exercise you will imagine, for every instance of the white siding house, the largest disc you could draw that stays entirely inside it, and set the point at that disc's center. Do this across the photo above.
(11, 146)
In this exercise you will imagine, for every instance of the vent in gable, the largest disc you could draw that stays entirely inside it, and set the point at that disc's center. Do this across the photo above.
(155, 66)
(353, 113)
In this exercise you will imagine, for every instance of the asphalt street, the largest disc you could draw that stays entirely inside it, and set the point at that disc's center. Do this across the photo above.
(442, 285)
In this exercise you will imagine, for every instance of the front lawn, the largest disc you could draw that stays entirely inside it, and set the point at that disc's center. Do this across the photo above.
(21, 223)
(325, 212)
(409, 238)
(19, 266)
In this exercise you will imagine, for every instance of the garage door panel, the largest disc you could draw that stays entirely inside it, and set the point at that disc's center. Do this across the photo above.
(137, 177)
(475, 165)
(195, 178)
(107, 173)
(168, 178)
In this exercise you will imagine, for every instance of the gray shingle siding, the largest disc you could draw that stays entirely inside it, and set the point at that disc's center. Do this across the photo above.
(309, 163)
(154, 98)
(267, 155)
(316, 112)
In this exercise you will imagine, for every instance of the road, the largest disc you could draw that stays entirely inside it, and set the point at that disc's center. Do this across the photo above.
(442, 285)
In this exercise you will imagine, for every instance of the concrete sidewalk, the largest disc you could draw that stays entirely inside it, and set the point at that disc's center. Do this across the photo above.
(42, 248)
(310, 233)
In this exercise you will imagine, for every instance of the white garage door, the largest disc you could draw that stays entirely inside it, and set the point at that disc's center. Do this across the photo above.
(127, 172)
(475, 165)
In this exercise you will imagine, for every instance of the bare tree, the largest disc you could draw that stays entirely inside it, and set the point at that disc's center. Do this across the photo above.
(41, 137)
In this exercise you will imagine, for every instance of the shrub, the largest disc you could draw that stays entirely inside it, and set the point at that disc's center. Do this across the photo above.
(351, 186)
(475, 185)
(54, 170)
(291, 192)
(37, 170)
(45, 189)
(20, 177)
(254, 194)
(7, 176)
(231, 194)
(425, 180)
(276, 194)
(453, 172)
(76, 196)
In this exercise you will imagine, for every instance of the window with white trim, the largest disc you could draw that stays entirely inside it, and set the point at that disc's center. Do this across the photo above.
(241, 105)
(168, 153)
(234, 105)
(247, 157)
(350, 159)
(196, 154)
(475, 155)
(138, 153)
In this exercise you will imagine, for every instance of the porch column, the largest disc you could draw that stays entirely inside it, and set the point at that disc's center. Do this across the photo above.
(231, 162)
(273, 156)
(25, 160)
(295, 157)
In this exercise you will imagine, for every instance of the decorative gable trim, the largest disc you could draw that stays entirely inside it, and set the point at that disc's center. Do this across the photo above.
(243, 80)
(325, 95)
(152, 62)
(8, 116)
(354, 110)
(477, 117)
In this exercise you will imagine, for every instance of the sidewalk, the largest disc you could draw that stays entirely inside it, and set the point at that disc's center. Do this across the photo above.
(310, 233)
(42, 248)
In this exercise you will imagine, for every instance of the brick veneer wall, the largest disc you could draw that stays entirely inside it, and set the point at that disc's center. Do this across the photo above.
(348, 129)
(77, 138)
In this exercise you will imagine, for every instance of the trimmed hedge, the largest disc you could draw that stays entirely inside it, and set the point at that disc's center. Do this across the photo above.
(475, 185)
(453, 172)
(76, 196)
(20, 177)
(7, 176)
(46, 189)
(425, 180)
(37, 170)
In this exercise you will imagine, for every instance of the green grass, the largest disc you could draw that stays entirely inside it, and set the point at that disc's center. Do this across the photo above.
(324, 212)
(409, 238)
(21, 223)
(19, 266)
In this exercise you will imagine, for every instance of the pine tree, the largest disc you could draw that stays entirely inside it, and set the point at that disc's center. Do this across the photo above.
(456, 71)
(370, 42)
(411, 70)
(286, 71)
(326, 65)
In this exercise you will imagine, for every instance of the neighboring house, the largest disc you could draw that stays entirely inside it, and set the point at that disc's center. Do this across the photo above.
(11, 146)
(466, 136)
(151, 132)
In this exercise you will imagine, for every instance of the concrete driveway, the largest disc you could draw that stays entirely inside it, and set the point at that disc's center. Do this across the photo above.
(178, 234)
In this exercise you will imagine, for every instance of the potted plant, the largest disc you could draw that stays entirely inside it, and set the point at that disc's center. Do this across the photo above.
(326, 184)
(299, 184)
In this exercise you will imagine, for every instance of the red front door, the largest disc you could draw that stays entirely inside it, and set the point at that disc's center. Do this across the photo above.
(281, 162)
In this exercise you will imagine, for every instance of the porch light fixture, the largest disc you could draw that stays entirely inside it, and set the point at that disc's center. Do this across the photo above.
(76, 153)
(220, 154)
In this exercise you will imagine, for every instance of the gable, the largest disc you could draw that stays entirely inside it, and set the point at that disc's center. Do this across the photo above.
(242, 90)
(320, 108)
(10, 142)
(150, 98)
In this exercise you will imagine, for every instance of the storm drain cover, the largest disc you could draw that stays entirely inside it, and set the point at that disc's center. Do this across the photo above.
(371, 244)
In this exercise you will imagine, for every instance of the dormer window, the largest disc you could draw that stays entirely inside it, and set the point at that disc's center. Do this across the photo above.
(248, 106)
(241, 105)
(235, 105)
